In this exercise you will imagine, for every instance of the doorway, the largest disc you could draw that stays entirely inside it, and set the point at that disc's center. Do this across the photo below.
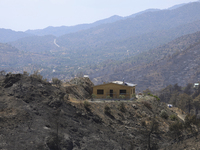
(111, 93)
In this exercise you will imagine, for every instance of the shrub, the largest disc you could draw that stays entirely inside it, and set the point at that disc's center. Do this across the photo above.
(25, 73)
(164, 114)
(121, 96)
(87, 105)
(94, 96)
(122, 107)
(156, 97)
(37, 75)
(56, 81)
(107, 110)
(143, 123)
(173, 117)
(108, 97)
(133, 95)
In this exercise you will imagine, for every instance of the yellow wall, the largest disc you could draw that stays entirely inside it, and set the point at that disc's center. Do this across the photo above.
(116, 90)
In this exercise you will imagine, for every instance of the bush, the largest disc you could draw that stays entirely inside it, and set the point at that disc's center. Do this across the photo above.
(25, 73)
(122, 107)
(143, 123)
(87, 105)
(107, 110)
(121, 96)
(56, 81)
(156, 97)
(94, 96)
(133, 95)
(173, 117)
(108, 97)
(164, 114)
(37, 75)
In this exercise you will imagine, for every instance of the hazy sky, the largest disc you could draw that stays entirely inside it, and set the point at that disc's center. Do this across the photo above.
(21, 15)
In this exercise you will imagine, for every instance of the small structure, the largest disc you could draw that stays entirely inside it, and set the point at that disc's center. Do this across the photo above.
(114, 90)
(86, 76)
(170, 105)
(196, 85)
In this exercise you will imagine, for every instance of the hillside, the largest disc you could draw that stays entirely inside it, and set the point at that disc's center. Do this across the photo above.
(36, 44)
(36, 115)
(175, 62)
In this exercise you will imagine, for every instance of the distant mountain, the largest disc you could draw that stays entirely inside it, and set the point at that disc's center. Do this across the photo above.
(58, 31)
(177, 6)
(175, 62)
(62, 30)
(7, 35)
(142, 12)
(130, 27)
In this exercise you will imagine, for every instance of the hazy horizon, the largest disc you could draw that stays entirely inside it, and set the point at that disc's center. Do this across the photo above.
(23, 15)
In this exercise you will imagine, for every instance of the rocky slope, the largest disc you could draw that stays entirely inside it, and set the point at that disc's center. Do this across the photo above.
(38, 116)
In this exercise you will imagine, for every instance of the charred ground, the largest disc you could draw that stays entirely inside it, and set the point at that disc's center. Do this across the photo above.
(35, 115)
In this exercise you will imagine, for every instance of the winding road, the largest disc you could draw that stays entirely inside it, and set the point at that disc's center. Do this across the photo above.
(56, 43)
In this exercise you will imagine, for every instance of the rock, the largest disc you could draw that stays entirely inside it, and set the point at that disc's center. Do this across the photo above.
(134, 106)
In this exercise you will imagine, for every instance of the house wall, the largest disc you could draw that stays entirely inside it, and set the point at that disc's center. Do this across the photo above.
(116, 90)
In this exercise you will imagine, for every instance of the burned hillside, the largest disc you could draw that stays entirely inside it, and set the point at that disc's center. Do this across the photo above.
(38, 116)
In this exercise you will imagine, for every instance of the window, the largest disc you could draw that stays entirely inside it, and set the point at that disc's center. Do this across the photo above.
(100, 92)
(122, 92)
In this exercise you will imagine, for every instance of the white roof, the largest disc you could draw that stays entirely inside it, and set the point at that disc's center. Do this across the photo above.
(86, 76)
(125, 83)
(196, 84)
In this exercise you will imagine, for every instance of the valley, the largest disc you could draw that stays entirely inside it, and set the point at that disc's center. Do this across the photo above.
(110, 49)
(57, 90)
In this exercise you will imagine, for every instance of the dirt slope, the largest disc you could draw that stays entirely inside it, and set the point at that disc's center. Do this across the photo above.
(34, 115)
